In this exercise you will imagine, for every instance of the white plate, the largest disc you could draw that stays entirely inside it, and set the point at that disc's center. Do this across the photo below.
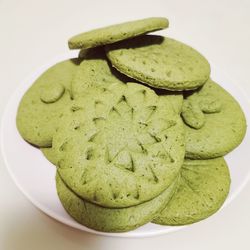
(35, 176)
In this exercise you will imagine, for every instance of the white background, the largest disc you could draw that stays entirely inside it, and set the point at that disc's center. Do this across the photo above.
(34, 32)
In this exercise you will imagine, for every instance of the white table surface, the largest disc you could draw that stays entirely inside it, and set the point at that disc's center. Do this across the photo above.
(33, 32)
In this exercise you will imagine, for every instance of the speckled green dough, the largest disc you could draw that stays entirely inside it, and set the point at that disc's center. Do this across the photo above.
(203, 188)
(45, 102)
(209, 104)
(174, 97)
(50, 155)
(160, 62)
(116, 32)
(195, 106)
(111, 219)
(176, 100)
(223, 130)
(94, 71)
(122, 145)
(192, 114)
(51, 93)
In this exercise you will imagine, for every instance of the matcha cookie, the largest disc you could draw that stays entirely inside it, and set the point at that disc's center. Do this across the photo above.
(94, 71)
(160, 62)
(50, 155)
(45, 102)
(214, 122)
(116, 32)
(203, 188)
(121, 146)
(174, 97)
(111, 219)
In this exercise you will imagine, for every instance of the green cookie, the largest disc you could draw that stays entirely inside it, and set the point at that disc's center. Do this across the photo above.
(160, 62)
(223, 124)
(117, 32)
(176, 101)
(175, 98)
(45, 102)
(94, 71)
(111, 219)
(123, 145)
(50, 155)
(203, 188)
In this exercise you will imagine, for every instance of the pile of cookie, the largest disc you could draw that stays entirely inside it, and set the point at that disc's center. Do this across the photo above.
(136, 128)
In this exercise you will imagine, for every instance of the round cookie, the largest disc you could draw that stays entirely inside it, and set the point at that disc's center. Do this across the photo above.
(223, 124)
(116, 32)
(122, 145)
(111, 219)
(44, 103)
(203, 188)
(175, 99)
(160, 62)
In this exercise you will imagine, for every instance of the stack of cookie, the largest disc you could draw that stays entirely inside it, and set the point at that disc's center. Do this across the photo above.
(136, 129)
